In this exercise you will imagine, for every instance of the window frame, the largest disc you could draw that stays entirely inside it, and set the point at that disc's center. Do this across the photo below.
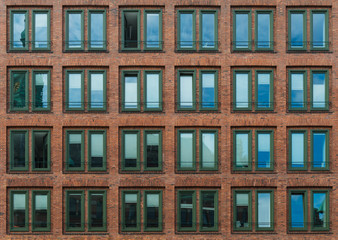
(178, 223)
(104, 157)
(193, 72)
(211, 229)
(234, 13)
(104, 26)
(104, 211)
(290, 108)
(82, 168)
(104, 90)
(234, 161)
(327, 81)
(326, 12)
(123, 48)
(138, 162)
(82, 108)
(179, 168)
(48, 228)
(138, 211)
(11, 210)
(215, 12)
(215, 108)
(145, 12)
(257, 228)
(75, 229)
(305, 140)
(271, 89)
(48, 149)
(11, 152)
(193, 12)
(138, 107)
(160, 211)
(12, 108)
(68, 11)
(305, 209)
(270, 12)
(34, 72)
(272, 162)
(47, 11)
(327, 150)
(160, 148)
(145, 82)
(234, 193)
(11, 45)
(215, 132)
(234, 107)
(327, 217)
(304, 12)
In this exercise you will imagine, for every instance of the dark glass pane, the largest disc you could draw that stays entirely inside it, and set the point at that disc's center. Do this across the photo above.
(19, 210)
(74, 210)
(40, 149)
(242, 210)
(19, 149)
(186, 208)
(320, 210)
(97, 150)
(19, 30)
(208, 210)
(130, 210)
(153, 150)
(74, 151)
(40, 211)
(130, 30)
(297, 210)
(152, 208)
(41, 90)
(19, 90)
(96, 210)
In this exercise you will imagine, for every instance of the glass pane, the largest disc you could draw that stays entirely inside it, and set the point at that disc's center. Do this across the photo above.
(297, 90)
(96, 150)
(41, 30)
(19, 149)
(318, 30)
(264, 149)
(186, 210)
(186, 30)
(297, 31)
(208, 150)
(75, 90)
(19, 30)
(242, 30)
(297, 150)
(264, 210)
(263, 30)
(319, 150)
(153, 90)
(263, 90)
(152, 210)
(242, 210)
(130, 210)
(153, 141)
(208, 30)
(41, 211)
(75, 210)
(19, 210)
(153, 30)
(242, 150)
(130, 91)
(74, 30)
(186, 91)
(318, 90)
(208, 90)
(242, 90)
(41, 143)
(41, 90)
(320, 210)
(96, 90)
(97, 30)
(19, 90)
(297, 210)
(131, 30)
(96, 210)
(186, 150)
(208, 210)
(130, 150)
(75, 150)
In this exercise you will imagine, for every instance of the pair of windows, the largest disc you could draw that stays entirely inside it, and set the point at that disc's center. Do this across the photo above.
(19, 150)
(152, 90)
(22, 205)
(298, 91)
(22, 38)
(131, 150)
(298, 150)
(242, 30)
(208, 90)
(298, 27)
(137, 205)
(207, 145)
(208, 30)
(95, 28)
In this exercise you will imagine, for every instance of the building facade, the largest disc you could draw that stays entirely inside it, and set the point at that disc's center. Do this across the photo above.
(168, 119)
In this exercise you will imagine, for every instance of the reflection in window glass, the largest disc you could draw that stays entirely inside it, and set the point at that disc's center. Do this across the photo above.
(297, 150)
(242, 30)
(186, 150)
(320, 209)
(96, 150)
(297, 210)
(208, 209)
(186, 208)
(264, 148)
(152, 210)
(242, 90)
(263, 90)
(74, 150)
(75, 30)
(186, 91)
(41, 149)
(41, 30)
(75, 90)
(41, 85)
(242, 150)
(75, 210)
(96, 214)
(130, 210)
(19, 211)
(297, 30)
(130, 92)
(208, 150)
(18, 142)
(153, 90)
(208, 90)
(19, 90)
(97, 30)
(263, 30)
(319, 90)
(153, 150)
(96, 90)
(242, 210)
(40, 210)
(319, 150)
(153, 30)
(130, 150)
(297, 90)
(264, 209)
(19, 30)
(319, 30)
(208, 30)
(186, 30)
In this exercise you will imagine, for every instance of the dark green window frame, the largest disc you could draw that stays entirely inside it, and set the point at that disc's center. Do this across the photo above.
(160, 214)
(179, 195)
(104, 25)
(271, 108)
(104, 210)
(304, 192)
(304, 72)
(104, 72)
(159, 11)
(326, 47)
(25, 48)
(215, 108)
(67, 90)
(215, 12)
(138, 107)
(145, 90)
(271, 228)
(138, 165)
(34, 72)
(327, 217)
(47, 193)
(26, 107)
(193, 12)
(270, 12)
(11, 153)
(290, 48)
(235, 167)
(201, 168)
(138, 30)
(82, 168)
(104, 160)
(249, 48)
(249, 228)
(67, 28)
(305, 151)
(209, 229)
(249, 108)
(138, 211)
(271, 168)
(193, 73)
(75, 229)
(33, 151)
(193, 168)
(48, 30)
(327, 150)
(159, 168)
(11, 221)
(327, 104)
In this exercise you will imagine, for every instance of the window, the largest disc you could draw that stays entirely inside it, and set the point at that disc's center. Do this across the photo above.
(319, 29)
(20, 210)
(96, 149)
(151, 92)
(19, 85)
(208, 90)
(242, 150)
(242, 93)
(75, 29)
(208, 150)
(19, 150)
(131, 151)
(131, 210)
(21, 38)
(243, 204)
(297, 95)
(131, 29)
(96, 211)
(299, 208)
(187, 221)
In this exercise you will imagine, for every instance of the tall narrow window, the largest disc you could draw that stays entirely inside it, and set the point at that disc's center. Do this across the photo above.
(153, 29)
(75, 150)
(131, 150)
(19, 150)
(242, 208)
(242, 150)
(19, 90)
(242, 30)
(19, 211)
(298, 210)
(41, 210)
(264, 90)
(186, 152)
(208, 150)
(75, 215)
(131, 211)
(97, 150)
(153, 150)
(264, 214)
(41, 30)
(208, 90)
(264, 30)
(320, 150)
(208, 211)
(242, 90)
(320, 210)
(74, 90)
(297, 90)
(186, 91)
(41, 90)
(186, 30)
(153, 211)
(186, 211)
(208, 30)
(41, 150)
(131, 29)
(319, 90)
(74, 30)
(298, 150)
(130, 91)
(264, 150)
(97, 29)
(153, 90)
(19, 30)
(97, 90)
(97, 212)
(319, 30)
(297, 30)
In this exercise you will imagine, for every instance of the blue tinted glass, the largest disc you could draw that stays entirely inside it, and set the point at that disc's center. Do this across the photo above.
(96, 90)
(96, 30)
(318, 90)
(297, 210)
(19, 30)
(297, 90)
(153, 30)
(74, 30)
(297, 32)
(75, 90)
(319, 150)
(263, 30)
(318, 30)
(319, 209)
(242, 30)
(297, 150)
(208, 30)
(186, 30)
(208, 90)
(263, 91)
(41, 30)
(41, 90)
(264, 160)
